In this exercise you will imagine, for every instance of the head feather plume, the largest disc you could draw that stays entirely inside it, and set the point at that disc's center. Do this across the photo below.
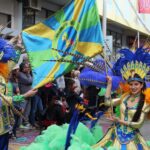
(83, 58)
(7, 51)
(76, 63)
(126, 55)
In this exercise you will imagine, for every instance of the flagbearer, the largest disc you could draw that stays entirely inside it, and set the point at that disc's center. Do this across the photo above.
(7, 52)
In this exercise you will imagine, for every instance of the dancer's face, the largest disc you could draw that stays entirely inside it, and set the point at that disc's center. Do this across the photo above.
(135, 87)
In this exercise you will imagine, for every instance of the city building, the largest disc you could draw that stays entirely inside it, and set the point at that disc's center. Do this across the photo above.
(16, 15)
(124, 23)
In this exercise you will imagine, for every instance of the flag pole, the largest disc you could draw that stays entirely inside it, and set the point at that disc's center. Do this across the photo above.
(104, 18)
(104, 34)
(104, 26)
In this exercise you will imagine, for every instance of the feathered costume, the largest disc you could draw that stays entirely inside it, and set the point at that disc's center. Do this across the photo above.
(125, 137)
(118, 136)
(7, 53)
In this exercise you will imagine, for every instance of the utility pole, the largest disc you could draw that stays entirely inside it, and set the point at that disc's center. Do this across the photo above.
(138, 35)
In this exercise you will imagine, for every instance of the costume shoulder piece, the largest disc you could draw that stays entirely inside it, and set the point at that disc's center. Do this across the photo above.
(2, 85)
(147, 95)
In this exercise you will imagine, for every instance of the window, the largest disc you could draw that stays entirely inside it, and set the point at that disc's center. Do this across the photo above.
(117, 40)
(43, 14)
(32, 16)
(49, 13)
(5, 20)
(28, 17)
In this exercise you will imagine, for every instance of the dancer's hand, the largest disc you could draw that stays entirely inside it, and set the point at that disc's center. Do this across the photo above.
(109, 86)
(116, 119)
(123, 122)
(113, 119)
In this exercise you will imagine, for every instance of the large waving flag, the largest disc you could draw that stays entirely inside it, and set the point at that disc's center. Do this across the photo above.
(75, 28)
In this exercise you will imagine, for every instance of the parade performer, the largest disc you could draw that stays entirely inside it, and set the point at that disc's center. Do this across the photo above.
(7, 53)
(134, 105)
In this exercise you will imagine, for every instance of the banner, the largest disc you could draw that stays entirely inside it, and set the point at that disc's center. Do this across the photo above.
(144, 6)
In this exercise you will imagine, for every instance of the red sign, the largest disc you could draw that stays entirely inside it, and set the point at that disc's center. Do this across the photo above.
(144, 6)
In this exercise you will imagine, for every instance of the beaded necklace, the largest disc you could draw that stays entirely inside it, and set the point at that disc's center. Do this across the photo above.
(128, 108)
(134, 97)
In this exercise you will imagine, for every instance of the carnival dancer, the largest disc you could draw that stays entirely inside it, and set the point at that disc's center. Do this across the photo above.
(124, 134)
(7, 53)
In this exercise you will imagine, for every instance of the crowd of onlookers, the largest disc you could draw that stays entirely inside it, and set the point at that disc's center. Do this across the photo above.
(54, 103)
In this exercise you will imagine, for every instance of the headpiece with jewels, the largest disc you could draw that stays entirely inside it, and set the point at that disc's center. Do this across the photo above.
(128, 71)
(131, 63)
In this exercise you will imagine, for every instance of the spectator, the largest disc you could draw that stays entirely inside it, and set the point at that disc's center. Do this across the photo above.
(72, 97)
(55, 112)
(25, 82)
(75, 75)
(16, 91)
(36, 106)
(60, 83)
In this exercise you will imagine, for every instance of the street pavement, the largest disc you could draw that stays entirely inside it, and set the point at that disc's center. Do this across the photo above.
(145, 131)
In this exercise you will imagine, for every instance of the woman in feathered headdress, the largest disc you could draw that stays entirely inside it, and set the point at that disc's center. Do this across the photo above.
(7, 53)
(124, 134)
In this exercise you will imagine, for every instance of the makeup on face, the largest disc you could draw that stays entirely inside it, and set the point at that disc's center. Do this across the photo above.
(135, 87)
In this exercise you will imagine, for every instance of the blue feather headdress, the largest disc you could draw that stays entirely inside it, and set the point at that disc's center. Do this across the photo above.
(140, 58)
(7, 52)
(131, 63)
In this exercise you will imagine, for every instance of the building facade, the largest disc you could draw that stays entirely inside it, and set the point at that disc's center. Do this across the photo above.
(125, 24)
(16, 15)
(123, 20)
